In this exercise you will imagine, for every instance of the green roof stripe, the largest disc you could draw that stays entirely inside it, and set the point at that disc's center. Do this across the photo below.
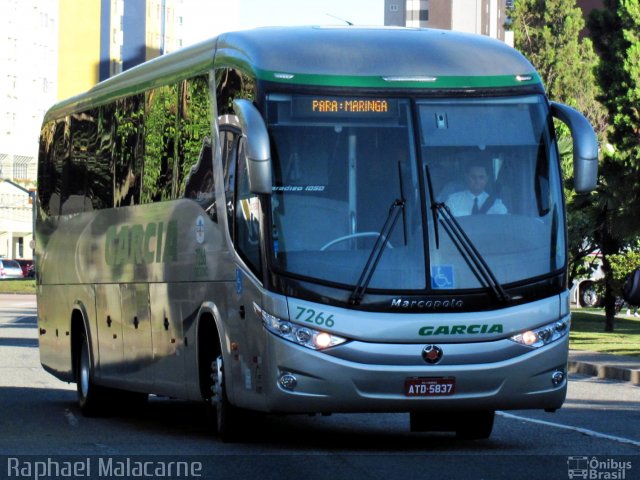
(380, 82)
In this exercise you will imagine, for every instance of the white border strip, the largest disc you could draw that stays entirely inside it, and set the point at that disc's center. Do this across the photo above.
(584, 431)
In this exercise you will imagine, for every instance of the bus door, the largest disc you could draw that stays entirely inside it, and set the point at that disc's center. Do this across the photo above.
(245, 328)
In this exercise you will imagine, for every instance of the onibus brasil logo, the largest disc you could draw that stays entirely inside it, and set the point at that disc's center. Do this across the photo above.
(597, 469)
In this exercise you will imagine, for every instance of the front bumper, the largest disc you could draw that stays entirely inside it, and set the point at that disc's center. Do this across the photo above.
(513, 378)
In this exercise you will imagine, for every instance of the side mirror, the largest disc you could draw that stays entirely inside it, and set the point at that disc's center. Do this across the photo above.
(631, 289)
(585, 147)
(257, 145)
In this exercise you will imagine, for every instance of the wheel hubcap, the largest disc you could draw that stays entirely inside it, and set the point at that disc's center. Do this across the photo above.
(218, 379)
(84, 372)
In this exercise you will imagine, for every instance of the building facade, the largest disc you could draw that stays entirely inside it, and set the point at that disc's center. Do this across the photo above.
(484, 17)
(28, 62)
(101, 38)
(55, 49)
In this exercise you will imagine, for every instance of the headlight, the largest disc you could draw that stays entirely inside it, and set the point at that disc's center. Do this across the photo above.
(544, 335)
(299, 334)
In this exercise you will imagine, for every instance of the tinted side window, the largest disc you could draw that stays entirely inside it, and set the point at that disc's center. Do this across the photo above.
(195, 155)
(60, 154)
(100, 167)
(247, 216)
(232, 84)
(229, 138)
(128, 150)
(47, 175)
(160, 135)
(74, 170)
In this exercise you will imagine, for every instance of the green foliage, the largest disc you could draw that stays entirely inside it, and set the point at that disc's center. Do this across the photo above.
(547, 32)
(622, 264)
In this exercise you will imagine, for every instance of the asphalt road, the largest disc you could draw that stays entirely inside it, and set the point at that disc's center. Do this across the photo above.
(598, 430)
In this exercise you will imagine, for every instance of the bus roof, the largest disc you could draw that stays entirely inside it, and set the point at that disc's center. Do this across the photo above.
(364, 56)
(354, 57)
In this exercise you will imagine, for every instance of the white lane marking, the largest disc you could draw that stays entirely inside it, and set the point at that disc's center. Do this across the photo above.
(584, 431)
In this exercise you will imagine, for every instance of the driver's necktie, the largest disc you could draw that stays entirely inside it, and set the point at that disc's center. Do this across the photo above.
(475, 210)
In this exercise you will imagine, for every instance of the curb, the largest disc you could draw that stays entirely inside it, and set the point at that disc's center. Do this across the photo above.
(608, 372)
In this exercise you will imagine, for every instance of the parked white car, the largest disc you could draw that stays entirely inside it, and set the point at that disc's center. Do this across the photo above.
(10, 269)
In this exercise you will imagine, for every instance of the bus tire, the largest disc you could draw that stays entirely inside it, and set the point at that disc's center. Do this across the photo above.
(227, 416)
(468, 425)
(476, 426)
(90, 398)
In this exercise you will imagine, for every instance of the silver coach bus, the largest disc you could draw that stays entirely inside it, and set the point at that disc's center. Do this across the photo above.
(274, 220)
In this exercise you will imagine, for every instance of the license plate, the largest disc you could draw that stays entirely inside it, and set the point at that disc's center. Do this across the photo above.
(430, 386)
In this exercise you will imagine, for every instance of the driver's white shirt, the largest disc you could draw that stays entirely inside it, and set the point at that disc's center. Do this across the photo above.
(461, 203)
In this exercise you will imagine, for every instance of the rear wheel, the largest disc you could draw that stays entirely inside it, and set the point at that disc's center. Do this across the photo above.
(90, 398)
(95, 400)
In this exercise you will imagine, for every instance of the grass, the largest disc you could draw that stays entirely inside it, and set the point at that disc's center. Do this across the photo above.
(587, 333)
(18, 286)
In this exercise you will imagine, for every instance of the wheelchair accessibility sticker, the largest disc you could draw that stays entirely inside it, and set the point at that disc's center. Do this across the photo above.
(442, 277)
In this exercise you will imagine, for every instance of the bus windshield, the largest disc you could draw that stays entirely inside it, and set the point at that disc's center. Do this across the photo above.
(341, 165)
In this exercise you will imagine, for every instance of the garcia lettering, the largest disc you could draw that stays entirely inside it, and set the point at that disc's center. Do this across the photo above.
(430, 330)
(141, 244)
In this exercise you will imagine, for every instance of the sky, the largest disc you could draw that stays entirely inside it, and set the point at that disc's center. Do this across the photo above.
(206, 18)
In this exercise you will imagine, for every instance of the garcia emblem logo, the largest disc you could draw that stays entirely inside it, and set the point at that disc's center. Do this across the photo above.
(200, 229)
(432, 354)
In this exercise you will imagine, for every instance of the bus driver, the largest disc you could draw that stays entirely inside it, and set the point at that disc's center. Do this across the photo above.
(475, 200)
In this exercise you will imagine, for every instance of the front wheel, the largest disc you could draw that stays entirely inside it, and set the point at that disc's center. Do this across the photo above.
(468, 425)
(227, 417)
(476, 426)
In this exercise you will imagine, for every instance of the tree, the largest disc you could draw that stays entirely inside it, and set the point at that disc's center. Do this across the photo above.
(547, 32)
(616, 34)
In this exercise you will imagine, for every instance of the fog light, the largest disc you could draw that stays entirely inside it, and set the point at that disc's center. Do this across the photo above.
(288, 381)
(557, 378)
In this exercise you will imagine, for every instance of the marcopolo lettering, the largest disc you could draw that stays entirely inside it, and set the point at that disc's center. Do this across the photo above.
(142, 244)
(451, 304)
(460, 330)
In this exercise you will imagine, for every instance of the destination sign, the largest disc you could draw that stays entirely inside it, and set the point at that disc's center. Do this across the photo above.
(344, 107)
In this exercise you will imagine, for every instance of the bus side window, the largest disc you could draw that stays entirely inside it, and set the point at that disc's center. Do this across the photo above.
(161, 105)
(49, 179)
(195, 155)
(129, 150)
(100, 188)
(229, 137)
(247, 216)
(75, 176)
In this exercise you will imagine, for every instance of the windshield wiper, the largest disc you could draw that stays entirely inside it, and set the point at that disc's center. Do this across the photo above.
(378, 249)
(463, 243)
